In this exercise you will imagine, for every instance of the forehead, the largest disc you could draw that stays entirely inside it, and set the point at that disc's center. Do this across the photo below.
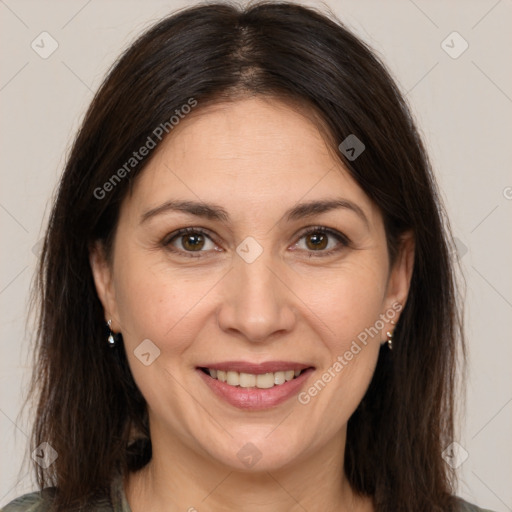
(253, 154)
(255, 136)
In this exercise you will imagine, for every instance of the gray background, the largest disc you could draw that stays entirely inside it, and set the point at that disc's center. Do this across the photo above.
(463, 106)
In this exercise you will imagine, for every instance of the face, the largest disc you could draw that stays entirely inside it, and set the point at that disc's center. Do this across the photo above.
(261, 275)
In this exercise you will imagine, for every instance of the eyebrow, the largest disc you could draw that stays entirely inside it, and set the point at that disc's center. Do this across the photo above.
(216, 212)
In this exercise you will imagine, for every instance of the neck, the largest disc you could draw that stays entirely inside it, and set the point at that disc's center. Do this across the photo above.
(179, 478)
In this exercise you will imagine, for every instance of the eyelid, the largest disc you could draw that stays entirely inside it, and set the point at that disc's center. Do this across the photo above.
(340, 237)
(166, 242)
(324, 229)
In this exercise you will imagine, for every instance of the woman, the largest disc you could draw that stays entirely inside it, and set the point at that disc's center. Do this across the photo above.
(246, 288)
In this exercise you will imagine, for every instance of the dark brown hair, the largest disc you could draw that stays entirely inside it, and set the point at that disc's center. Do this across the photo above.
(89, 407)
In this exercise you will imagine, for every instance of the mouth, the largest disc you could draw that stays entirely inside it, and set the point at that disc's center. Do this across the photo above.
(251, 380)
(259, 387)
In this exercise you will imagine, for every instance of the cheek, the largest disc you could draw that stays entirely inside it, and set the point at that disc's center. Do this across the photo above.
(169, 308)
(347, 304)
(156, 302)
(346, 300)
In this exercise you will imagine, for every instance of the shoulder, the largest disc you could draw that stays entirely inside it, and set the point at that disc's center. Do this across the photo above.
(464, 506)
(41, 501)
(32, 502)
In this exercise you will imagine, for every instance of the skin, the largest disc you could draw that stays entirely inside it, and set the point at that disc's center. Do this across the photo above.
(256, 158)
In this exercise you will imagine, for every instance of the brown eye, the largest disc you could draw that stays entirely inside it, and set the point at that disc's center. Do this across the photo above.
(323, 241)
(317, 241)
(192, 242)
(188, 241)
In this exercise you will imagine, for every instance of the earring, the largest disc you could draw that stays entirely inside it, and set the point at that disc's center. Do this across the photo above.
(390, 340)
(111, 340)
(390, 337)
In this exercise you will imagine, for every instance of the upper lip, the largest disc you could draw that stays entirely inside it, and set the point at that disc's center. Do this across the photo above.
(256, 368)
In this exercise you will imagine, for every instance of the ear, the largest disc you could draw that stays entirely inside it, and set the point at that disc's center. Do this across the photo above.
(399, 280)
(104, 282)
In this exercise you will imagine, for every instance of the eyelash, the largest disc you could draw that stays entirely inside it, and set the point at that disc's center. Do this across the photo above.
(342, 239)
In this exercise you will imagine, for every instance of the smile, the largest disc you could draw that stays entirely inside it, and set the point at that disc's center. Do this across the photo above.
(251, 380)
(255, 391)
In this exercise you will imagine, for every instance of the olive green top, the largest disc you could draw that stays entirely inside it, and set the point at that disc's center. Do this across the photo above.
(35, 502)
(117, 502)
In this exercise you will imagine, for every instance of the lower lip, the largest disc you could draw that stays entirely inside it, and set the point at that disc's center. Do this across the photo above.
(255, 398)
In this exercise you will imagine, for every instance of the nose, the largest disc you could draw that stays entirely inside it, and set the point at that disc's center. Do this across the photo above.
(256, 303)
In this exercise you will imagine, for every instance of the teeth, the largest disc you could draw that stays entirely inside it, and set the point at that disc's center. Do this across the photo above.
(233, 378)
(250, 380)
(279, 378)
(247, 380)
